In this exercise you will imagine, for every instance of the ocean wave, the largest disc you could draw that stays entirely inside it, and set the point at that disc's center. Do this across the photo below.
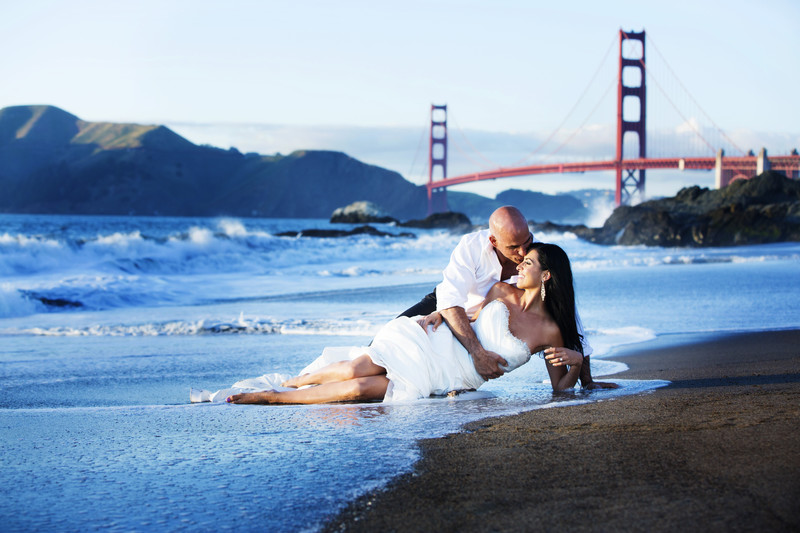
(241, 326)
(14, 303)
(588, 258)
(228, 247)
(57, 265)
(603, 340)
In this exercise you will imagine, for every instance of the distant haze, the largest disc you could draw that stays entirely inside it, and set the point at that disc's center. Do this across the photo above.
(405, 150)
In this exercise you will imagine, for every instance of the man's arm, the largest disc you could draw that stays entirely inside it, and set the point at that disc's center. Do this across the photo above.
(486, 363)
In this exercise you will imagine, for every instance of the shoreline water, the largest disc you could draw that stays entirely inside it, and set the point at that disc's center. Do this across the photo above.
(714, 450)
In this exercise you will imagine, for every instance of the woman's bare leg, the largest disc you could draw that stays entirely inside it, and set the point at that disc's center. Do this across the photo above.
(341, 371)
(358, 389)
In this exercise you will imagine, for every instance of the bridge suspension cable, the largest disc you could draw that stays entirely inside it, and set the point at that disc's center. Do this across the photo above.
(589, 116)
(691, 97)
(422, 137)
(571, 111)
(474, 150)
(493, 164)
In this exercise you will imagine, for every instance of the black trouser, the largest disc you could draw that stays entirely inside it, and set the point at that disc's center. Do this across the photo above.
(424, 307)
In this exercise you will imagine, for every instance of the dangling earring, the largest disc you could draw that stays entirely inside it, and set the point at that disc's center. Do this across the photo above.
(544, 291)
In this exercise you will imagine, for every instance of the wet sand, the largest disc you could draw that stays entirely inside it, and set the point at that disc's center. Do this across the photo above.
(717, 450)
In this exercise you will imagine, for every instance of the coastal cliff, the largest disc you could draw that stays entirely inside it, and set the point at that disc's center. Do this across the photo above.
(52, 162)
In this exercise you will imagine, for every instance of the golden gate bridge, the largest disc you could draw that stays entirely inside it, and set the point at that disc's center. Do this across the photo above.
(630, 172)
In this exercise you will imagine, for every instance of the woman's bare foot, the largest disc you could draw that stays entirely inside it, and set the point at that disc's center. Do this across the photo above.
(295, 382)
(253, 397)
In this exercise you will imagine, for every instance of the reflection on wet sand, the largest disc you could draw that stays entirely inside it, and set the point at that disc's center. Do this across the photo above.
(344, 414)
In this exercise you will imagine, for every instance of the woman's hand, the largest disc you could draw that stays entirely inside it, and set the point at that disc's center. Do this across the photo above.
(561, 356)
(434, 319)
(601, 385)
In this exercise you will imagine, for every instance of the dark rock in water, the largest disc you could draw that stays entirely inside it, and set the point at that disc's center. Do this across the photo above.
(761, 210)
(361, 213)
(327, 233)
(55, 302)
(551, 227)
(455, 222)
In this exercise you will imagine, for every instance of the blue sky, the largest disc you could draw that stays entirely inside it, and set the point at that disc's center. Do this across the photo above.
(359, 76)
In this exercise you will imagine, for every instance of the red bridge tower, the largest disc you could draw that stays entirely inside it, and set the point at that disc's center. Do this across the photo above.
(630, 185)
(437, 159)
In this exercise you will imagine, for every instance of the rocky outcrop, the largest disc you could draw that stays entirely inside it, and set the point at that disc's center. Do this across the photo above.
(761, 210)
(361, 213)
(455, 222)
(329, 233)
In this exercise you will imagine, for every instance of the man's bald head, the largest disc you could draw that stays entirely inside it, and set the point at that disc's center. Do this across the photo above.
(510, 235)
(507, 219)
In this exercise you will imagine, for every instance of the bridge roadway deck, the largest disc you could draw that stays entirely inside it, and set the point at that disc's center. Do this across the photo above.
(789, 164)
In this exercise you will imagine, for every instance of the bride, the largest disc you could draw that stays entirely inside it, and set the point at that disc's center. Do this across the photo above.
(407, 362)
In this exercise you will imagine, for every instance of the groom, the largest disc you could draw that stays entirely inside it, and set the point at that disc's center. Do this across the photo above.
(480, 260)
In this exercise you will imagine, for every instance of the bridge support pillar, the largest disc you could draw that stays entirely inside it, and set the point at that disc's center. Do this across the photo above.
(722, 176)
(793, 173)
(631, 186)
(437, 160)
(762, 163)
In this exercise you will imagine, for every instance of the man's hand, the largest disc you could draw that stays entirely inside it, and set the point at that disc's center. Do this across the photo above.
(434, 319)
(488, 364)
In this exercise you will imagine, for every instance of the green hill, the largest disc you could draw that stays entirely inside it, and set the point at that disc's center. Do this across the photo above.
(52, 162)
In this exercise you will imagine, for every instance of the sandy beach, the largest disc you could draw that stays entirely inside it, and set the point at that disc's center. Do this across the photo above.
(717, 450)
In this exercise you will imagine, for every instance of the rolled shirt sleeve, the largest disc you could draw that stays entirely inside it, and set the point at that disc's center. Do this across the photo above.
(471, 272)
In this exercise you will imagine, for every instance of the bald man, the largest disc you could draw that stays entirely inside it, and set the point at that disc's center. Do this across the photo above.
(480, 260)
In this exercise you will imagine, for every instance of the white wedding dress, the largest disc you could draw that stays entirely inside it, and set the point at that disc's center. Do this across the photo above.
(418, 363)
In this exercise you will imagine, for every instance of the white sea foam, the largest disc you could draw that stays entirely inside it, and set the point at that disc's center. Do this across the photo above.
(600, 209)
(14, 304)
(604, 339)
(207, 326)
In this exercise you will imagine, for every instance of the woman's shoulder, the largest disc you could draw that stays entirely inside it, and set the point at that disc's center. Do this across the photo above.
(500, 289)
(537, 331)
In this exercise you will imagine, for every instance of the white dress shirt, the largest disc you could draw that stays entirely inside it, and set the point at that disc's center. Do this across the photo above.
(471, 272)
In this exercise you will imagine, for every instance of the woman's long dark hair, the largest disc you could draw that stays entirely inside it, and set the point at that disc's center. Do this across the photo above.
(560, 292)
